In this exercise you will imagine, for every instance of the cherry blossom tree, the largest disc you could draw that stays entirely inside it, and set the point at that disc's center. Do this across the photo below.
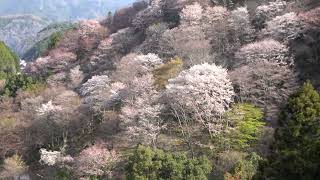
(204, 92)
(189, 43)
(265, 84)
(268, 11)
(52, 158)
(140, 115)
(240, 26)
(267, 49)
(283, 28)
(96, 160)
(140, 112)
(152, 14)
(134, 65)
(100, 91)
(191, 15)
(151, 44)
(76, 76)
(48, 108)
(216, 27)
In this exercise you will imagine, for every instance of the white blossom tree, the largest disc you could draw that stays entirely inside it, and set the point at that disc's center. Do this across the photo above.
(151, 44)
(189, 43)
(151, 15)
(100, 91)
(268, 11)
(204, 92)
(134, 65)
(140, 112)
(76, 76)
(267, 49)
(96, 160)
(48, 109)
(283, 28)
(52, 158)
(140, 116)
(265, 84)
(191, 15)
(216, 26)
(240, 26)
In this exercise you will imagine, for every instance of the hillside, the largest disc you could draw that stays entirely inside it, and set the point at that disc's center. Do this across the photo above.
(61, 10)
(167, 89)
(18, 31)
(21, 20)
(45, 40)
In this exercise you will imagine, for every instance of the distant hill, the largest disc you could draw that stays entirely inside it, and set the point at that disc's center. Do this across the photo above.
(21, 20)
(18, 31)
(61, 10)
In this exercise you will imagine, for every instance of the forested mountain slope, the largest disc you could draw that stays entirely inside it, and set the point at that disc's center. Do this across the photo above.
(167, 89)
(18, 31)
(61, 10)
(21, 20)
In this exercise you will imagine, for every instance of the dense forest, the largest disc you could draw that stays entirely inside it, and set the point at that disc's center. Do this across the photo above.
(168, 89)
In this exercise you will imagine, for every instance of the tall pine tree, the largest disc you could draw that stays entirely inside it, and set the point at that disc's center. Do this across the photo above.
(297, 139)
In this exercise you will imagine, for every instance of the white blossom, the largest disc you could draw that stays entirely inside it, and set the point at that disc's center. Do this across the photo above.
(203, 91)
(283, 27)
(267, 49)
(189, 43)
(76, 76)
(140, 115)
(265, 84)
(52, 158)
(48, 108)
(99, 91)
(240, 25)
(191, 14)
(95, 161)
(134, 65)
(268, 11)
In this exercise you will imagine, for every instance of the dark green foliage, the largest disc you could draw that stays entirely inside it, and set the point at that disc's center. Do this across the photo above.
(245, 169)
(9, 62)
(16, 82)
(147, 163)
(245, 123)
(297, 140)
(64, 174)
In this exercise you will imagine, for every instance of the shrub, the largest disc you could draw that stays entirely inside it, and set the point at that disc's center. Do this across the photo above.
(245, 126)
(147, 163)
(245, 169)
(7, 123)
(167, 71)
(22, 82)
(13, 167)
